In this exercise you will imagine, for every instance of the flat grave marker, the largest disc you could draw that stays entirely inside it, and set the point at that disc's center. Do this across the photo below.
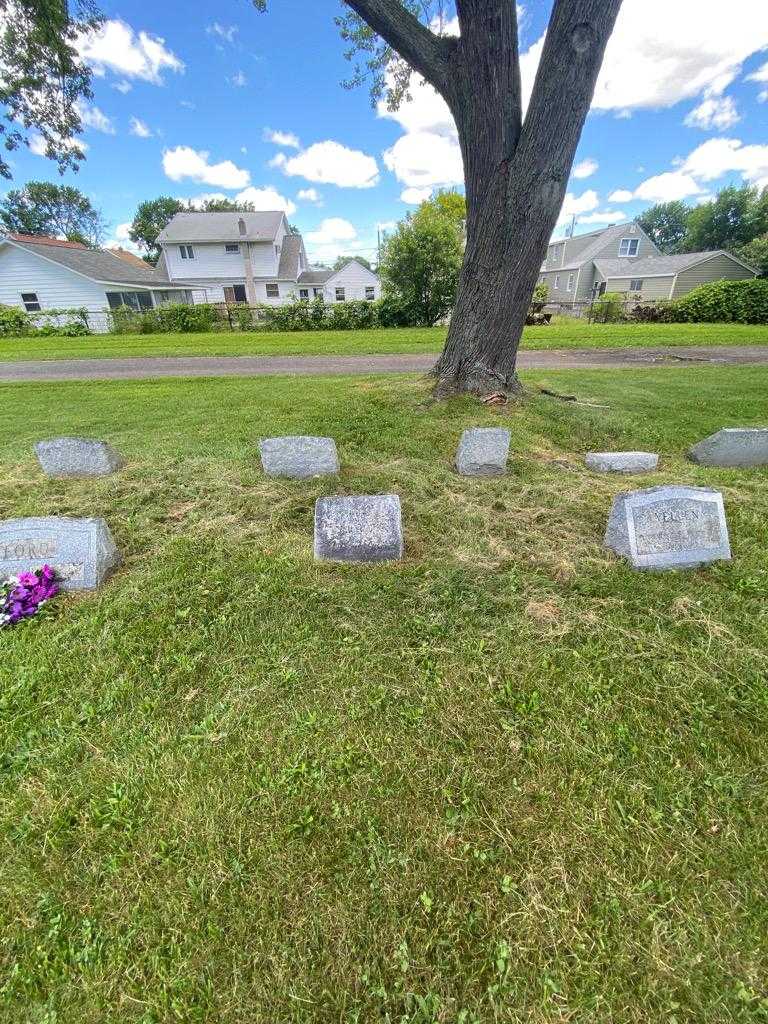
(669, 527)
(483, 451)
(365, 528)
(622, 462)
(77, 456)
(81, 551)
(732, 447)
(299, 458)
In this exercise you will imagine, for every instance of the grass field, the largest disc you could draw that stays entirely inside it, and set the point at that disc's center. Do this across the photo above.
(507, 780)
(563, 333)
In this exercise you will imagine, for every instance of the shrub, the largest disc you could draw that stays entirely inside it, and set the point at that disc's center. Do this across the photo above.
(394, 311)
(609, 308)
(741, 302)
(14, 321)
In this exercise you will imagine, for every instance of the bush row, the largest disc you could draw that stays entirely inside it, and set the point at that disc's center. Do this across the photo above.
(723, 302)
(65, 323)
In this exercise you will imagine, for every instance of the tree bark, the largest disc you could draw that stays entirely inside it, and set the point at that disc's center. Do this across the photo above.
(516, 173)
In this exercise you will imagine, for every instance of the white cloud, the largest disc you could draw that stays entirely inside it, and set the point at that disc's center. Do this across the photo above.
(717, 157)
(197, 202)
(415, 196)
(309, 195)
(139, 128)
(92, 117)
(185, 162)
(420, 159)
(114, 46)
(585, 169)
(239, 79)
(279, 138)
(716, 112)
(225, 32)
(621, 195)
(123, 87)
(661, 188)
(332, 229)
(266, 199)
(761, 75)
(121, 239)
(188, 104)
(603, 217)
(587, 202)
(330, 163)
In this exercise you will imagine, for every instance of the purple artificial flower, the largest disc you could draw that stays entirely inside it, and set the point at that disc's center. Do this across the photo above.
(22, 596)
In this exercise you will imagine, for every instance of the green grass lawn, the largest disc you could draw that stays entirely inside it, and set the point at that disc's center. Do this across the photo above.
(506, 780)
(563, 333)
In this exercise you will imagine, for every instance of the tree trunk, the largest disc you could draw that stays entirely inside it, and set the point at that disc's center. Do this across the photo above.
(516, 180)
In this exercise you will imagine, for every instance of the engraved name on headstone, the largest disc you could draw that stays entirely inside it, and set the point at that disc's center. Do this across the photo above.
(81, 551)
(77, 456)
(669, 527)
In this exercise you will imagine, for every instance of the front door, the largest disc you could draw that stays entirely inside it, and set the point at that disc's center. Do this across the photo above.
(235, 293)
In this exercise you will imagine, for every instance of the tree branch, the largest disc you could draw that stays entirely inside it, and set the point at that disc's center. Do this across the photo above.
(423, 50)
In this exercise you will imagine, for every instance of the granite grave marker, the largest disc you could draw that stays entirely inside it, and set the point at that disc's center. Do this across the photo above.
(77, 456)
(299, 457)
(81, 551)
(358, 529)
(732, 447)
(669, 527)
(622, 462)
(483, 451)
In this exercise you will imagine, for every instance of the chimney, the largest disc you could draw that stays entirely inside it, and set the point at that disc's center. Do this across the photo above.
(241, 226)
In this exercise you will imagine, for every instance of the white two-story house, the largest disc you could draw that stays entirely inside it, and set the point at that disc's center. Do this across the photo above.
(252, 258)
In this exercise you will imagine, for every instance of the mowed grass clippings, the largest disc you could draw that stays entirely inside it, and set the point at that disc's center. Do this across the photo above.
(563, 333)
(505, 780)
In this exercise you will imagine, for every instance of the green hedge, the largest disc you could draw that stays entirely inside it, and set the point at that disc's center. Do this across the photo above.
(64, 323)
(739, 302)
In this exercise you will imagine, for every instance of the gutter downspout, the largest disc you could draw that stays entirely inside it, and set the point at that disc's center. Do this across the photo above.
(250, 285)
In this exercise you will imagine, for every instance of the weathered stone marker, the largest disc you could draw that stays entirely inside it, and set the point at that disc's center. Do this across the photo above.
(622, 462)
(732, 446)
(82, 551)
(299, 457)
(669, 527)
(358, 529)
(483, 451)
(77, 456)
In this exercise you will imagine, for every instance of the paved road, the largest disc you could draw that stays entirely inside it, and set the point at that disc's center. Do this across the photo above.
(258, 366)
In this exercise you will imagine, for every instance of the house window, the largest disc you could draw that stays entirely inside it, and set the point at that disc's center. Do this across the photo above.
(341, 295)
(370, 294)
(187, 252)
(303, 293)
(233, 248)
(629, 246)
(557, 282)
(571, 279)
(31, 302)
(235, 293)
(134, 300)
(273, 291)
(636, 284)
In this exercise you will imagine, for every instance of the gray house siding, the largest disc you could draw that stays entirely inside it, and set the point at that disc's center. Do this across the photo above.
(653, 287)
(611, 248)
(719, 268)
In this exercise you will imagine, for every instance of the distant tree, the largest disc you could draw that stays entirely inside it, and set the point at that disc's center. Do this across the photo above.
(516, 167)
(453, 204)
(342, 261)
(150, 219)
(43, 77)
(43, 208)
(420, 265)
(736, 216)
(666, 224)
(223, 206)
(756, 254)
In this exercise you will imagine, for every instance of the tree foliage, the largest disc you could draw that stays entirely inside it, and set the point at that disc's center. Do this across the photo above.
(342, 261)
(43, 208)
(420, 265)
(43, 78)
(736, 216)
(666, 224)
(756, 254)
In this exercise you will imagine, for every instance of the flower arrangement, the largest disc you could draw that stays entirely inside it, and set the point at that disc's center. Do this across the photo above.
(23, 596)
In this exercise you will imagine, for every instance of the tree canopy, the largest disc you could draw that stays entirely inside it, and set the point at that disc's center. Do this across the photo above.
(44, 208)
(666, 224)
(44, 79)
(342, 261)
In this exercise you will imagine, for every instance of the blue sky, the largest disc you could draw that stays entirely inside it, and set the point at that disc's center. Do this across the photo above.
(194, 100)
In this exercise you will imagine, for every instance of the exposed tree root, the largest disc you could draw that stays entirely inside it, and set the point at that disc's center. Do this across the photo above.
(477, 380)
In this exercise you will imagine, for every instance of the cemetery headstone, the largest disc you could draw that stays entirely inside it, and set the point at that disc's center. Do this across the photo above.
(669, 527)
(483, 451)
(299, 457)
(732, 446)
(77, 456)
(81, 551)
(358, 529)
(622, 462)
